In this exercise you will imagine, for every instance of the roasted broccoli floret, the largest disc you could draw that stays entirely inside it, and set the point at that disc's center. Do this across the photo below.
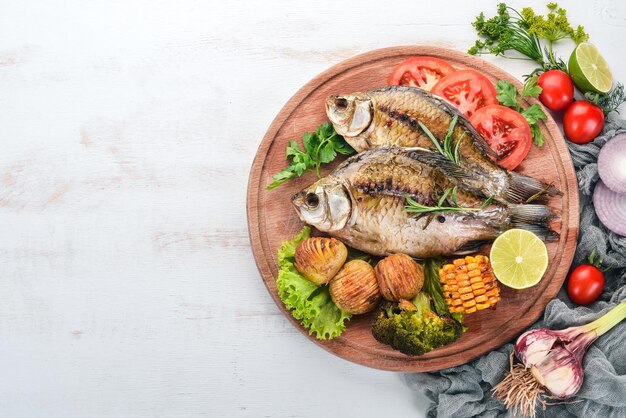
(413, 328)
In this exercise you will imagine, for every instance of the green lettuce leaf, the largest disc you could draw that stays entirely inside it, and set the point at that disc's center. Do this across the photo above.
(309, 303)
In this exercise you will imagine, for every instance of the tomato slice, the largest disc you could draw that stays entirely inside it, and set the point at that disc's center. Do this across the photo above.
(507, 133)
(468, 90)
(422, 72)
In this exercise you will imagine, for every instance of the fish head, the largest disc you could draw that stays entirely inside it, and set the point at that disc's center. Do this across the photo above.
(325, 204)
(350, 114)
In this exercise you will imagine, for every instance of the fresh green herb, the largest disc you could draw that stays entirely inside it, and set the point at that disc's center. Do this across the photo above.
(533, 115)
(320, 147)
(554, 26)
(487, 202)
(531, 89)
(454, 196)
(412, 206)
(608, 102)
(504, 32)
(447, 150)
(309, 303)
(508, 96)
(521, 32)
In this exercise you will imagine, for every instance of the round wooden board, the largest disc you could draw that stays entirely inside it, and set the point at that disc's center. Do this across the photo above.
(272, 219)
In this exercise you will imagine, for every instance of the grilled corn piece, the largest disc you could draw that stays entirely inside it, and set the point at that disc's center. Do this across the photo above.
(469, 284)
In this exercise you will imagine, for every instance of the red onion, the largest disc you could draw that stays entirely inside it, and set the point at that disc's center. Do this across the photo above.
(612, 164)
(610, 208)
(551, 363)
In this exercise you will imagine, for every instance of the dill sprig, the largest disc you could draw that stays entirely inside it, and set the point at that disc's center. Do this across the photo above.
(608, 102)
(511, 30)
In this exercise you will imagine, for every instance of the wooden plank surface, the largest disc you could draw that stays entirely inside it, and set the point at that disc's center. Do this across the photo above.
(127, 132)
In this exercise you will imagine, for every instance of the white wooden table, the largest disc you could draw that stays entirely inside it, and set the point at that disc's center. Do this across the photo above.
(127, 130)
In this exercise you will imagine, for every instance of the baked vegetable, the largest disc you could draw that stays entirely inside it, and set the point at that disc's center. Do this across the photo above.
(355, 289)
(399, 277)
(319, 259)
(469, 284)
(413, 328)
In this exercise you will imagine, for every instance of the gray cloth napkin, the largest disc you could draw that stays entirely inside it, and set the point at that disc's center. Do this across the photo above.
(465, 391)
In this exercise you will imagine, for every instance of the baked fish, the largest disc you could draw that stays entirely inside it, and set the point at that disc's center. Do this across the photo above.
(363, 203)
(391, 117)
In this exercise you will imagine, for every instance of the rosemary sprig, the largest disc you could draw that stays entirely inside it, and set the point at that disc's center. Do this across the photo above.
(448, 151)
(413, 206)
(487, 202)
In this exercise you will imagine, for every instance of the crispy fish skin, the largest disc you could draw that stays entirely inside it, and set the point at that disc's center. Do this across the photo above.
(381, 227)
(391, 116)
(362, 203)
(398, 172)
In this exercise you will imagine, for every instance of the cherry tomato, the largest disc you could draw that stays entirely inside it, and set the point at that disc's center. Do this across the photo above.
(585, 284)
(558, 90)
(468, 90)
(582, 122)
(422, 72)
(507, 133)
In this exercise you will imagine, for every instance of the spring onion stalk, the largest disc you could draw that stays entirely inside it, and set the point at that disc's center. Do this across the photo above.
(551, 363)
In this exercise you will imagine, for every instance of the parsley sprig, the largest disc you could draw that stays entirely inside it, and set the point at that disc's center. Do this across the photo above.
(320, 147)
(452, 153)
(508, 95)
(412, 206)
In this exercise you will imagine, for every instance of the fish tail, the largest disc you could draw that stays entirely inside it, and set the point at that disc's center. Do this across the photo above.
(523, 189)
(534, 218)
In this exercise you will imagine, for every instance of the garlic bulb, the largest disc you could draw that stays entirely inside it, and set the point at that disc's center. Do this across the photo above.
(551, 363)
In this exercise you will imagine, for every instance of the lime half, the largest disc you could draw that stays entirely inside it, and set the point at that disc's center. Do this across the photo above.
(589, 70)
(519, 258)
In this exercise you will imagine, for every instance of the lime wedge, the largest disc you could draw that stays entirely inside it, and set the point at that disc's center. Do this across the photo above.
(519, 258)
(589, 70)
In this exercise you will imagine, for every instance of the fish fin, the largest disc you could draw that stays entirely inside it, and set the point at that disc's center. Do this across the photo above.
(465, 179)
(441, 162)
(534, 218)
(526, 189)
(531, 214)
(543, 232)
(352, 159)
(429, 219)
(479, 140)
(470, 247)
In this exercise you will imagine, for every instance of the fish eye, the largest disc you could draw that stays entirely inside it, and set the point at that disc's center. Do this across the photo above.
(441, 218)
(312, 200)
(341, 103)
